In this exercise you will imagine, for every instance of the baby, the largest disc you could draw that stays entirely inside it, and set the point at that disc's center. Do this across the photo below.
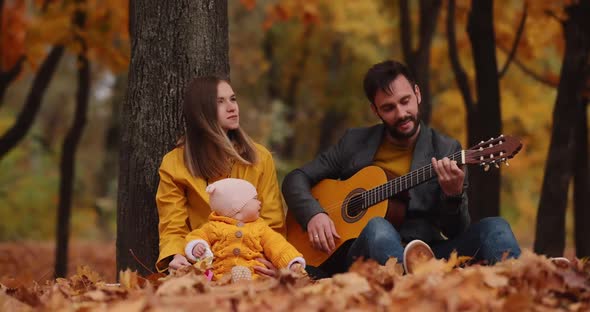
(235, 235)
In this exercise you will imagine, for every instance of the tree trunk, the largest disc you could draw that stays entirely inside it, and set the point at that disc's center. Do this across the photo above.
(550, 231)
(286, 149)
(581, 184)
(273, 74)
(486, 121)
(67, 165)
(334, 118)
(110, 163)
(419, 60)
(172, 42)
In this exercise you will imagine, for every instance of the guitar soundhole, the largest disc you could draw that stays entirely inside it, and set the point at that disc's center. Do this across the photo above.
(353, 206)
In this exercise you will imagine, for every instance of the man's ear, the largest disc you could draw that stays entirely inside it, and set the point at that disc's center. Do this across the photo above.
(417, 92)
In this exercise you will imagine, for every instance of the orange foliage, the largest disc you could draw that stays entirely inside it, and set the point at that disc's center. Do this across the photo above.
(105, 31)
(531, 283)
(306, 12)
(12, 36)
(249, 4)
(29, 261)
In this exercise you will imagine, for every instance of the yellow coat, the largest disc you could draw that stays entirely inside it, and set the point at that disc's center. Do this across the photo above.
(183, 204)
(237, 243)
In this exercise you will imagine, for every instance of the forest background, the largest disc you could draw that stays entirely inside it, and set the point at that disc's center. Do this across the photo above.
(297, 69)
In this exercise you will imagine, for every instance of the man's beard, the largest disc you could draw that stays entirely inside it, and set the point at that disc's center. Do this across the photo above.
(392, 129)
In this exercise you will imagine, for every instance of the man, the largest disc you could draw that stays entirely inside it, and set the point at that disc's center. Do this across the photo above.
(437, 210)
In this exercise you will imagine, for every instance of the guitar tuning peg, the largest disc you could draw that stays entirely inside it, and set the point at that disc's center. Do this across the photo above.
(506, 163)
(495, 164)
(486, 167)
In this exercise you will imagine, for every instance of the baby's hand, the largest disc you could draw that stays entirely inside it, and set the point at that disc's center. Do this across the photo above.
(296, 267)
(198, 250)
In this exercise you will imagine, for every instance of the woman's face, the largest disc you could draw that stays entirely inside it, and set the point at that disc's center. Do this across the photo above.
(228, 113)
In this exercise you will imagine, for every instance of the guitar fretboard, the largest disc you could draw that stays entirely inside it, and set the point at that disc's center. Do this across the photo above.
(403, 183)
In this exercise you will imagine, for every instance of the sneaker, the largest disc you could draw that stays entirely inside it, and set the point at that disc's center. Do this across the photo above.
(560, 262)
(416, 252)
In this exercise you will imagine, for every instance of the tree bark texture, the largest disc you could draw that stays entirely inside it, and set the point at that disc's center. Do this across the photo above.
(550, 230)
(172, 42)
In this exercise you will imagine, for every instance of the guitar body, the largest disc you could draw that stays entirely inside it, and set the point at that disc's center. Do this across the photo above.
(338, 198)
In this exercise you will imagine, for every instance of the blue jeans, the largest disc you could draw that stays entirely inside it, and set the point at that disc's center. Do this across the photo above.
(486, 240)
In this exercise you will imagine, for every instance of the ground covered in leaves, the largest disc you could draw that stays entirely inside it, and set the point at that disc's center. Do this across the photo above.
(26, 262)
(531, 283)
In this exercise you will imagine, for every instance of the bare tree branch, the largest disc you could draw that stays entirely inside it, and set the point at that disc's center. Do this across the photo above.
(460, 75)
(552, 14)
(7, 77)
(531, 73)
(519, 33)
(25, 119)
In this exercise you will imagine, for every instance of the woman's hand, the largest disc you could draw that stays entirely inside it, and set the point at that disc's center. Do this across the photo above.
(178, 262)
(268, 270)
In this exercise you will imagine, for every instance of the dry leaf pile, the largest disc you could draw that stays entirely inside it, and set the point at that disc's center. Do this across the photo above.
(531, 283)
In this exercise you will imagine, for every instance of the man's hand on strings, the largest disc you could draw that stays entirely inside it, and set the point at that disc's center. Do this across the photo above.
(322, 232)
(450, 176)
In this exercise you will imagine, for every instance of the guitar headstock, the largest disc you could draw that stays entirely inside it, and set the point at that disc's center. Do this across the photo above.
(493, 151)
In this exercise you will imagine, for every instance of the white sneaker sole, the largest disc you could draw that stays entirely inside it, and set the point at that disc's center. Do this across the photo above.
(411, 245)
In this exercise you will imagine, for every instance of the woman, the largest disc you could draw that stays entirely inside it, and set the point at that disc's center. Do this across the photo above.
(213, 147)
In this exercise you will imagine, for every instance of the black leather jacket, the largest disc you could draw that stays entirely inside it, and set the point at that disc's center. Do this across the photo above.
(431, 215)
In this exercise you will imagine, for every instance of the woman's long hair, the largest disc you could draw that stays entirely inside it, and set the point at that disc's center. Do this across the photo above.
(209, 151)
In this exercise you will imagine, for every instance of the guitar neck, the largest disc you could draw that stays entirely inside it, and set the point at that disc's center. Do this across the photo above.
(405, 182)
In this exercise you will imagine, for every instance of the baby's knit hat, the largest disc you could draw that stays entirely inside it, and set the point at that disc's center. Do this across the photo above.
(228, 196)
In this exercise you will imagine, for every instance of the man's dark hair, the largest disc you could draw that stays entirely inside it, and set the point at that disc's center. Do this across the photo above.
(380, 76)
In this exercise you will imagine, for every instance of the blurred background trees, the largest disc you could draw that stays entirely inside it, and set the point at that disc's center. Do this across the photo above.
(488, 67)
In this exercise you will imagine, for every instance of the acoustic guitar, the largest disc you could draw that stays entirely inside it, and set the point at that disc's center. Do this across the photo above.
(371, 193)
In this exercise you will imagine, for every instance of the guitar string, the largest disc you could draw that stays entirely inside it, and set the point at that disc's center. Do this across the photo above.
(357, 202)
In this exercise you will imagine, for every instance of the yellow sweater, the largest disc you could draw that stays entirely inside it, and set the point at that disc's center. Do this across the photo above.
(395, 159)
(233, 242)
(183, 204)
